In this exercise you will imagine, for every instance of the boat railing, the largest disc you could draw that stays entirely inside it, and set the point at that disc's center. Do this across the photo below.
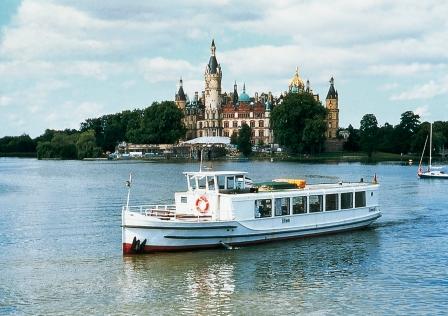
(165, 212)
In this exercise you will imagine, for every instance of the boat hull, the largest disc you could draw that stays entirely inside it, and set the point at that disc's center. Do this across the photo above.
(166, 236)
(433, 176)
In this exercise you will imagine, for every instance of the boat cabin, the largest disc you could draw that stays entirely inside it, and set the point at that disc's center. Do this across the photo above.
(231, 195)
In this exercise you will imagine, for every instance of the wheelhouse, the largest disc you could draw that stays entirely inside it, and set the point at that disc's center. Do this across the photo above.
(218, 181)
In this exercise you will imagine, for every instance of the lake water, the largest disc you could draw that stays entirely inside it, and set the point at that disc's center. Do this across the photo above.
(60, 241)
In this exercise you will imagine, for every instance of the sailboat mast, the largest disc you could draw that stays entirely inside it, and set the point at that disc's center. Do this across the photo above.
(430, 146)
(423, 153)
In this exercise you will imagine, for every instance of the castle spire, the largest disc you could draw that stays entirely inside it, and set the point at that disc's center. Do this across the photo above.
(332, 93)
(213, 47)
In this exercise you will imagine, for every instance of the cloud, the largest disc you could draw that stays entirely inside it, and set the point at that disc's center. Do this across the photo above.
(404, 69)
(426, 91)
(70, 114)
(4, 100)
(422, 111)
(161, 69)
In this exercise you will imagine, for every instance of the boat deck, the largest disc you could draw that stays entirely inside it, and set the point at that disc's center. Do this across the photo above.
(308, 187)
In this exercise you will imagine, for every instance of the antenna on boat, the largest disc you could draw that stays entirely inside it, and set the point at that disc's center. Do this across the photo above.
(128, 184)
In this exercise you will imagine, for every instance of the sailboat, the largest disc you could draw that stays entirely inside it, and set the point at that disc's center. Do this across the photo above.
(430, 173)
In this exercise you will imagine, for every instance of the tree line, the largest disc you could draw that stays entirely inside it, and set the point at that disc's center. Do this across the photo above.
(406, 137)
(160, 123)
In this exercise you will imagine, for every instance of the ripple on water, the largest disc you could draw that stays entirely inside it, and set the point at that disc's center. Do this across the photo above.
(61, 244)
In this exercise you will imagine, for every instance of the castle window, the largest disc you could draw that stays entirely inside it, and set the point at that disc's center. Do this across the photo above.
(261, 123)
(261, 133)
(226, 124)
(200, 124)
(235, 124)
(252, 123)
(226, 133)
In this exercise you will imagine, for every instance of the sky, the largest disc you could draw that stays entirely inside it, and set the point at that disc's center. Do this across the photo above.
(62, 61)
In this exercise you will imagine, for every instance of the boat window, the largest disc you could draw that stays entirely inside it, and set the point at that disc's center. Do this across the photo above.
(211, 183)
(316, 203)
(221, 182)
(263, 208)
(192, 182)
(239, 182)
(360, 199)
(183, 199)
(201, 183)
(230, 183)
(299, 204)
(331, 202)
(281, 206)
(346, 200)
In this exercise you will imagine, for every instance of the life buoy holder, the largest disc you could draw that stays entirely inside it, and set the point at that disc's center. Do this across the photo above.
(202, 204)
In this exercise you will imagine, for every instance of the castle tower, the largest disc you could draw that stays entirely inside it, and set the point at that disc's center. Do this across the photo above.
(211, 126)
(331, 103)
(213, 76)
(235, 94)
(180, 98)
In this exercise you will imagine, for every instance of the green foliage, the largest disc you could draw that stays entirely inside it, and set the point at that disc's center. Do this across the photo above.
(86, 145)
(234, 138)
(386, 138)
(61, 146)
(405, 131)
(314, 134)
(353, 140)
(368, 132)
(243, 142)
(17, 144)
(162, 123)
(299, 123)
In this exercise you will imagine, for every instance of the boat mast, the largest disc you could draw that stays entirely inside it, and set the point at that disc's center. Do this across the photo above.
(430, 146)
(423, 153)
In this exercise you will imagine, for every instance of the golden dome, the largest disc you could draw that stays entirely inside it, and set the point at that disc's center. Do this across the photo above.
(296, 82)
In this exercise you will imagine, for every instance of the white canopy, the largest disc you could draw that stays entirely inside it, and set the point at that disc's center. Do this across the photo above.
(209, 140)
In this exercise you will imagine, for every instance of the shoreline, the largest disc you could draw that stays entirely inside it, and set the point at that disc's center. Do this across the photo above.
(338, 157)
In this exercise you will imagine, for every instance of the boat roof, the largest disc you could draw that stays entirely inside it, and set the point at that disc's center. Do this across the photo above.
(214, 173)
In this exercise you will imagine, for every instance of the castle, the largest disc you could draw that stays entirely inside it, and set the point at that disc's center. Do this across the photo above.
(221, 114)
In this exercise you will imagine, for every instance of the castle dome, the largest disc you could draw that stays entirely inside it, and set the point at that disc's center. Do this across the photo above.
(244, 97)
(296, 84)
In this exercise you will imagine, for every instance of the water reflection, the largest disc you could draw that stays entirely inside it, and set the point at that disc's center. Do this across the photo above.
(213, 282)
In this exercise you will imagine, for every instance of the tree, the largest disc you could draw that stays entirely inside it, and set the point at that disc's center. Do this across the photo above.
(387, 138)
(162, 123)
(406, 130)
(353, 140)
(299, 113)
(368, 132)
(234, 138)
(314, 134)
(243, 143)
(86, 145)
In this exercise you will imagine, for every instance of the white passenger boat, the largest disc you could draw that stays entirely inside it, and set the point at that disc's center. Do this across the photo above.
(225, 209)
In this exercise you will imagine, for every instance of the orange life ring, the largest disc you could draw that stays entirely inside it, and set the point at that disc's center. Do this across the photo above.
(202, 204)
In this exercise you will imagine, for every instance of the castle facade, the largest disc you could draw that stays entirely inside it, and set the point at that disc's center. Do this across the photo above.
(215, 113)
